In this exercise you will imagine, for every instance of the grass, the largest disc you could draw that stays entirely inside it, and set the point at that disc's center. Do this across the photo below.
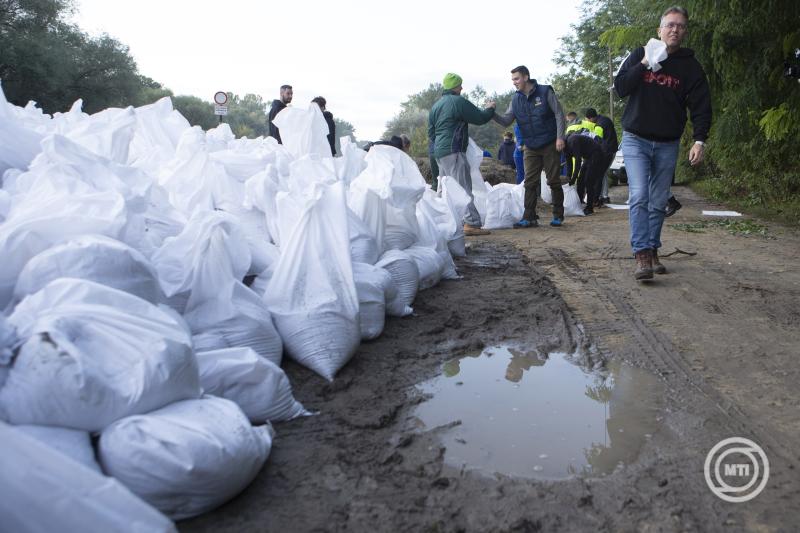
(786, 212)
(733, 226)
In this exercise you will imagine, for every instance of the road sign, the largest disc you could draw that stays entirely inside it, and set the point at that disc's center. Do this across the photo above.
(220, 109)
(221, 98)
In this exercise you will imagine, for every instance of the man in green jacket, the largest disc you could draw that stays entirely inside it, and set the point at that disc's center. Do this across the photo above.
(448, 134)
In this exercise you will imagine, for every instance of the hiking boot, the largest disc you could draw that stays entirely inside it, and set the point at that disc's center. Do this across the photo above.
(658, 268)
(525, 223)
(556, 222)
(672, 206)
(471, 231)
(644, 265)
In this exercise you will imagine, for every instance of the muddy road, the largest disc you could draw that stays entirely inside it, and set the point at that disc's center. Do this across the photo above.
(549, 391)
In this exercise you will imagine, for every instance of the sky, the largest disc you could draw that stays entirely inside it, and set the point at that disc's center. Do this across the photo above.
(364, 57)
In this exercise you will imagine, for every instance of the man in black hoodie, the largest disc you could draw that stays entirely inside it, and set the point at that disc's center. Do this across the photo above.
(506, 152)
(277, 107)
(653, 122)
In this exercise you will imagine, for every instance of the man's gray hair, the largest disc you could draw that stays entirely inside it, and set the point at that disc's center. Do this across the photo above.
(675, 9)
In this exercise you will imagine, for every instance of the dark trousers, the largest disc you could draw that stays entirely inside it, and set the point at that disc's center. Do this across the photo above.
(593, 176)
(548, 159)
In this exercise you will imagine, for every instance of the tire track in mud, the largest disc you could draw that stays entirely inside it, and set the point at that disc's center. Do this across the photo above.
(662, 355)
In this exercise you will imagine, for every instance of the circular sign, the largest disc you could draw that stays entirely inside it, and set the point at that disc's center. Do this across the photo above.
(220, 98)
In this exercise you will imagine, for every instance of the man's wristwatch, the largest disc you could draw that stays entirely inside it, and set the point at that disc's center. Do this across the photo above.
(701, 143)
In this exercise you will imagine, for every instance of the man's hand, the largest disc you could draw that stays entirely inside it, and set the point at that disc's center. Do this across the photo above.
(696, 154)
(559, 144)
(491, 104)
(645, 62)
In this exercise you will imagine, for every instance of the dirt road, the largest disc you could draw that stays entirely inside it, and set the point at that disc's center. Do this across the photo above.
(718, 336)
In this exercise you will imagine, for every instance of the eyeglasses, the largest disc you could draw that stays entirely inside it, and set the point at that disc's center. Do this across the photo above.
(674, 26)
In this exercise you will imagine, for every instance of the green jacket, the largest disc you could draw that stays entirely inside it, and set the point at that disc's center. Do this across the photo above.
(448, 120)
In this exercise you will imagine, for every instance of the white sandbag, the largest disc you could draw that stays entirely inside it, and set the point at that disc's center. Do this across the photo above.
(45, 491)
(205, 261)
(261, 191)
(258, 386)
(405, 273)
(249, 326)
(479, 192)
(186, 458)
(429, 263)
(544, 188)
(435, 225)
(351, 163)
(311, 294)
(19, 143)
(303, 131)
(502, 207)
(92, 355)
(457, 200)
(73, 443)
(95, 258)
(372, 285)
(158, 131)
(5, 204)
(572, 202)
(363, 247)
(32, 227)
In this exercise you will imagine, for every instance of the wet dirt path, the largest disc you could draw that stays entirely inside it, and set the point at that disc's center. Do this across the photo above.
(719, 333)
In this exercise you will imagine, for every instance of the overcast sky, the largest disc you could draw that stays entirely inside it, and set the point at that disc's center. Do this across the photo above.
(364, 57)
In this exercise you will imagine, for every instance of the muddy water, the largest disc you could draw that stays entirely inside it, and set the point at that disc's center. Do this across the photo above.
(525, 415)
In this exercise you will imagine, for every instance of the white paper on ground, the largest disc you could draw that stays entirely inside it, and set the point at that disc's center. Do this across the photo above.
(721, 213)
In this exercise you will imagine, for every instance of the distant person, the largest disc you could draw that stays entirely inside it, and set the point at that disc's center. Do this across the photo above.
(571, 118)
(395, 141)
(277, 107)
(506, 153)
(518, 161)
(406, 143)
(585, 159)
(448, 123)
(322, 103)
(653, 122)
(610, 146)
(536, 109)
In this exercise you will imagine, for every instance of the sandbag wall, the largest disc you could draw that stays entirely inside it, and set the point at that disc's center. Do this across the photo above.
(139, 374)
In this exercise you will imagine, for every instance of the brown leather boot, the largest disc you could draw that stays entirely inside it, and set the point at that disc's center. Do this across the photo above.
(644, 265)
(658, 268)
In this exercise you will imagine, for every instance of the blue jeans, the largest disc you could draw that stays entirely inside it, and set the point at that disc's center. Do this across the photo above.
(650, 166)
(518, 163)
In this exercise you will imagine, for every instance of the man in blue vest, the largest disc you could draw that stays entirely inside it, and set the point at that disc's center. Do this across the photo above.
(541, 123)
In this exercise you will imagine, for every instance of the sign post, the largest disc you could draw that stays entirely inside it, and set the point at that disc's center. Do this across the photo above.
(220, 104)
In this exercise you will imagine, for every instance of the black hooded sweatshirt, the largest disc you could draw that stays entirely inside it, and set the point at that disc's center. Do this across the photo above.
(277, 107)
(657, 103)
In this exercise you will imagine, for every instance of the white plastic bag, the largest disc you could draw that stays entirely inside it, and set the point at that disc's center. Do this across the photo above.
(655, 51)
(544, 188)
(258, 386)
(405, 273)
(303, 131)
(44, 491)
(457, 200)
(479, 192)
(92, 355)
(572, 202)
(95, 258)
(429, 263)
(311, 295)
(187, 458)
(502, 207)
(19, 143)
(363, 247)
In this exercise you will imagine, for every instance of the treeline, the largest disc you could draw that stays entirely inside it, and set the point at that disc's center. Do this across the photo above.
(742, 46)
(52, 62)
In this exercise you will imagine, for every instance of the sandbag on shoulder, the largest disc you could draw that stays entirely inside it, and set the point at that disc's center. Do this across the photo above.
(91, 355)
(187, 458)
(44, 490)
(258, 386)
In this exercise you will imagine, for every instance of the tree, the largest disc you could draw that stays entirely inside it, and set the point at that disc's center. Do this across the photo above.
(197, 111)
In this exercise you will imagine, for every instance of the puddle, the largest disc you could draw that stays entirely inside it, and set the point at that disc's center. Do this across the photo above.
(526, 416)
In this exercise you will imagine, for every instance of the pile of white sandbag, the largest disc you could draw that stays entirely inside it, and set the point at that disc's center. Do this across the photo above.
(130, 345)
